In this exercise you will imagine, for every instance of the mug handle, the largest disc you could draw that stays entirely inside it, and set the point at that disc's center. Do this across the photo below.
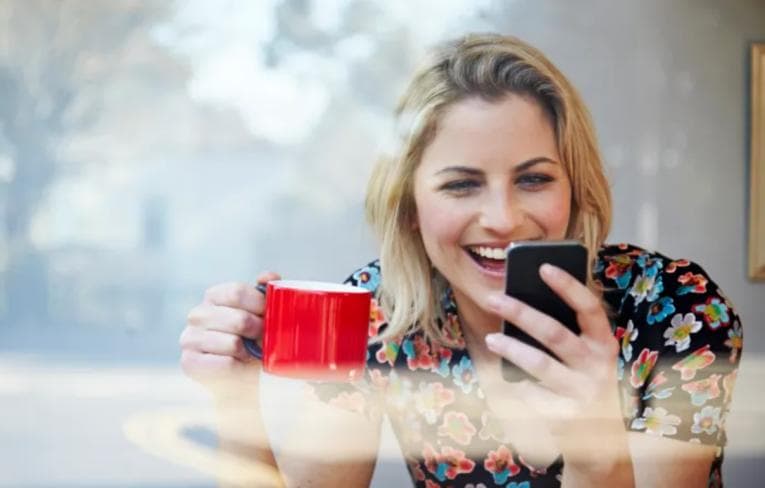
(250, 344)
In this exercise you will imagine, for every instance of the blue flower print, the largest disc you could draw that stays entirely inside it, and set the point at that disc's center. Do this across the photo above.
(650, 264)
(464, 375)
(367, 277)
(522, 484)
(443, 367)
(660, 309)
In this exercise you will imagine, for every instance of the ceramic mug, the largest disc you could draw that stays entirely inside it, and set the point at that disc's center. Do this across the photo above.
(313, 330)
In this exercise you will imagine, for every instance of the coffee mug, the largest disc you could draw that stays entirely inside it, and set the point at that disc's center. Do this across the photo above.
(313, 330)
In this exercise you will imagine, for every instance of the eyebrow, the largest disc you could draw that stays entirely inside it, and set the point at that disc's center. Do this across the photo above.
(469, 170)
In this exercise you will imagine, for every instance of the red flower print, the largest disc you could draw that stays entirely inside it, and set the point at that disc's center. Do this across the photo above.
(417, 472)
(692, 283)
(703, 390)
(457, 426)
(449, 463)
(673, 265)
(501, 465)
(417, 353)
(618, 265)
(642, 367)
(456, 462)
(698, 359)
(376, 318)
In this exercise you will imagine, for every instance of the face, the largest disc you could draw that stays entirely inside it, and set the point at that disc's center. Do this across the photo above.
(492, 175)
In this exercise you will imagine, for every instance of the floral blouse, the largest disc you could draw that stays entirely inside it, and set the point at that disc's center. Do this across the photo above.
(680, 348)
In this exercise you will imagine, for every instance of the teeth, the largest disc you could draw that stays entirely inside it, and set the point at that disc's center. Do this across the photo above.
(489, 252)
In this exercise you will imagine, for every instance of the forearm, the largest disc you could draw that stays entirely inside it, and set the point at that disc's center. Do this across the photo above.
(616, 472)
(602, 458)
(245, 457)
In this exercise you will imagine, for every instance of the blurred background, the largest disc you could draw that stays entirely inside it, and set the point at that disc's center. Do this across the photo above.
(149, 149)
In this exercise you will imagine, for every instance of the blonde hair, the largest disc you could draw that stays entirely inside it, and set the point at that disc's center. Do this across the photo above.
(488, 66)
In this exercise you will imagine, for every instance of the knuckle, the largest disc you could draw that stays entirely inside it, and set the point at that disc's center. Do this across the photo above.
(591, 305)
(556, 335)
(196, 315)
(539, 363)
(238, 293)
(239, 322)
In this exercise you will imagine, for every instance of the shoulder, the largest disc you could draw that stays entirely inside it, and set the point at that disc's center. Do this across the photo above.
(367, 276)
(626, 266)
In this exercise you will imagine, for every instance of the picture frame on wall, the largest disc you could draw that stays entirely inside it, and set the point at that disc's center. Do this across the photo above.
(757, 165)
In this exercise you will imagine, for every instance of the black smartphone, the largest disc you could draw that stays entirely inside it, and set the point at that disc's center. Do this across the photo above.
(523, 282)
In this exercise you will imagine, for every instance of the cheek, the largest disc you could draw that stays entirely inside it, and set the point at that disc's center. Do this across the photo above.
(553, 214)
(439, 224)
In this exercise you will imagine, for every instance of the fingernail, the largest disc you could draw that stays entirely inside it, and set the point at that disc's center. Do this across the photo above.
(493, 340)
(548, 270)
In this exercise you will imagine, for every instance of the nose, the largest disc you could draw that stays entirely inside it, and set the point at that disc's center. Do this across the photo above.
(501, 215)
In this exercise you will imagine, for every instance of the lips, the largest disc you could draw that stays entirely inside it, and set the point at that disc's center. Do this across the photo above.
(489, 258)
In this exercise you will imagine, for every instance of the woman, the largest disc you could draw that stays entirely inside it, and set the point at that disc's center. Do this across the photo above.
(496, 146)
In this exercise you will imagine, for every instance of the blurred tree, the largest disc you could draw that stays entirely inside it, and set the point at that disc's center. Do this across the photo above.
(56, 58)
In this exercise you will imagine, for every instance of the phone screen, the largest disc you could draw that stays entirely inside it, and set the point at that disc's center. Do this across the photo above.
(523, 282)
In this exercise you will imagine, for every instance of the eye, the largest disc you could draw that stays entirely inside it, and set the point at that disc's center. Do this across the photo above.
(460, 186)
(533, 181)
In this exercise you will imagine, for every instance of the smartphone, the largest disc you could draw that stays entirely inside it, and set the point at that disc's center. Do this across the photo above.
(522, 281)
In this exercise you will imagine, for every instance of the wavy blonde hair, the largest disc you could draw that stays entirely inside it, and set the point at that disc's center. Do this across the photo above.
(488, 66)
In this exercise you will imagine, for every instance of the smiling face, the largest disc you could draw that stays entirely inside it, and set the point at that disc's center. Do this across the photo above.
(492, 175)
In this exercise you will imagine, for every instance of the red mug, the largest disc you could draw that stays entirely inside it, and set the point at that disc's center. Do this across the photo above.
(313, 330)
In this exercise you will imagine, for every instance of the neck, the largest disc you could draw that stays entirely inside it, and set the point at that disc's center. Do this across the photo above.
(475, 321)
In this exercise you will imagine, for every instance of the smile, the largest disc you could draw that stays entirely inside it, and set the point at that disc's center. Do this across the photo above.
(491, 259)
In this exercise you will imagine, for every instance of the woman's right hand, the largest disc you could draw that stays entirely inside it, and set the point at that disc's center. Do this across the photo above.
(212, 346)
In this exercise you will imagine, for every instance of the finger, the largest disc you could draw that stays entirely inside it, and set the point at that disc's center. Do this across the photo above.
(540, 365)
(589, 310)
(222, 374)
(267, 276)
(214, 342)
(236, 295)
(226, 319)
(555, 336)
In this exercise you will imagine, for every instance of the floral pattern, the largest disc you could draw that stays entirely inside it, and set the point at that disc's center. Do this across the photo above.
(457, 426)
(714, 311)
(679, 335)
(464, 376)
(680, 345)
(501, 465)
(660, 310)
(657, 421)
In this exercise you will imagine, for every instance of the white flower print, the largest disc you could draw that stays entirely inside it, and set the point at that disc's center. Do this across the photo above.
(706, 420)
(657, 421)
(679, 334)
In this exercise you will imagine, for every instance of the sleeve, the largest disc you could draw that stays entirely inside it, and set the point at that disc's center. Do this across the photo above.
(680, 349)
(364, 396)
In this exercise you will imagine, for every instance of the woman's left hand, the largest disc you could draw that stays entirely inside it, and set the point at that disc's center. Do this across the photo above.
(578, 394)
